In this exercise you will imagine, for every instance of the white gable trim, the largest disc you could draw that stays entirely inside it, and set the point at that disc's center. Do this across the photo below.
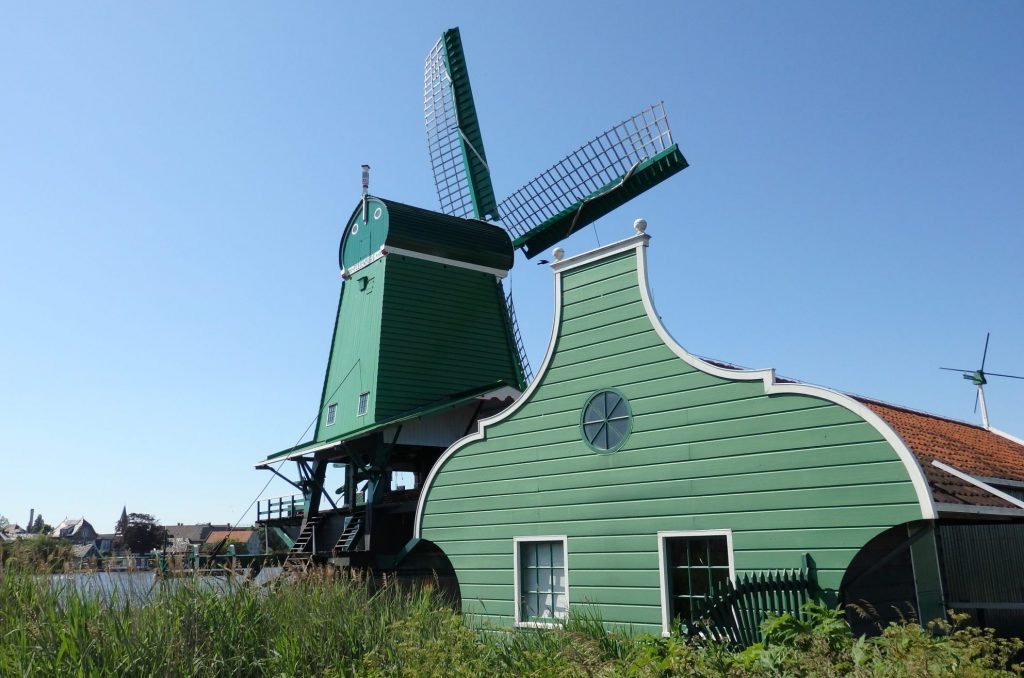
(496, 272)
(767, 376)
(480, 433)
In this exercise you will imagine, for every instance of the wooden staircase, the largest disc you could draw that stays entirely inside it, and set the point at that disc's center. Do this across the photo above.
(300, 555)
(347, 541)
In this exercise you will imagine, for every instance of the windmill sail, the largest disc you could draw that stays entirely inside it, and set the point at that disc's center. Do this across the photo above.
(601, 175)
(456, 146)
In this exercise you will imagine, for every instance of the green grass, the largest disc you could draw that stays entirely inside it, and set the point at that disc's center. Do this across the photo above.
(337, 625)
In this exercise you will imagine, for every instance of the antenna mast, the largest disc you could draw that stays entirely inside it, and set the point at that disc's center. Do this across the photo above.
(977, 377)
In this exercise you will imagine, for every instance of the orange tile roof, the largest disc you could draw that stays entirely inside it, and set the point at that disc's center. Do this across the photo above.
(234, 535)
(974, 450)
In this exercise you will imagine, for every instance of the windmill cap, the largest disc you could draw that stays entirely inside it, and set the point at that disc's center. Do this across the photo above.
(404, 227)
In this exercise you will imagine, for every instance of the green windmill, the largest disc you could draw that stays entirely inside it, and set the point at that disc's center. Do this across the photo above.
(425, 340)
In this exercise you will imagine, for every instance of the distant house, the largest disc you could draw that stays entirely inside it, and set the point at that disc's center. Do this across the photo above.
(11, 532)
(249, 539)
(83, 552)
(77, 530)
(181, 538)
(105, 543)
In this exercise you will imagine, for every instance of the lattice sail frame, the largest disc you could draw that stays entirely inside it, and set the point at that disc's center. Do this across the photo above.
(454, 141)
(592, 169)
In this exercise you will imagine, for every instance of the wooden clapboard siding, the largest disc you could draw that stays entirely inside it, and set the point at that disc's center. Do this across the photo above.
(443, 331)
(352, 366)
(789, 474)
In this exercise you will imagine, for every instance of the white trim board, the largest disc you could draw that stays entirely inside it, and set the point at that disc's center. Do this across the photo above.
(385, 250)
(496, 272)
(517, 584)
(977, 483)
(666, 622)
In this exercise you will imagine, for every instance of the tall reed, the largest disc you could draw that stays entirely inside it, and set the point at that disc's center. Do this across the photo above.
(337, 624)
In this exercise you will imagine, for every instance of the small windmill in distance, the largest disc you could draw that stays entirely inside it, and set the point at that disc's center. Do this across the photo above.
(978, 378)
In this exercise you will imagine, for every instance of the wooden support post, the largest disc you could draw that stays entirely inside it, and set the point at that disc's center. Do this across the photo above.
(924, 555)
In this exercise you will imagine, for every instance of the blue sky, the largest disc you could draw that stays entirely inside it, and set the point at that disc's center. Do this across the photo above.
(174, 179)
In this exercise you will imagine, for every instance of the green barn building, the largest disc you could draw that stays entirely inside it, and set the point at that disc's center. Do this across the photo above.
(632, 477)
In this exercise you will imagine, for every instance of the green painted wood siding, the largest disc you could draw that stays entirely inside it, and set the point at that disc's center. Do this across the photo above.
(412, 334)
(789, 474)
(443, 331)
(352, 366)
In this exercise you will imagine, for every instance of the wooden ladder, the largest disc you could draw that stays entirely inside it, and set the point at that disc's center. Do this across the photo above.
(348, 536)
(300, 555)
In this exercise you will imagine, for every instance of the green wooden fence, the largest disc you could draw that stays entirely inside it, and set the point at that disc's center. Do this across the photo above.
(734, 611)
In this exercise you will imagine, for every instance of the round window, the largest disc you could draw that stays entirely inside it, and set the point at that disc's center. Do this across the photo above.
(606, 421)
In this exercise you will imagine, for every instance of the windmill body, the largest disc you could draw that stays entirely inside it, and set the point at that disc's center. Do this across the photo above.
(425, 341)
(421, 316)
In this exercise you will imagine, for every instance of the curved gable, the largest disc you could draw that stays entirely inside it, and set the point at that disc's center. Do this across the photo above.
(781, 466)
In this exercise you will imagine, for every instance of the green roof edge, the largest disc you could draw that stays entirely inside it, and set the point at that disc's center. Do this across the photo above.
(454, 400)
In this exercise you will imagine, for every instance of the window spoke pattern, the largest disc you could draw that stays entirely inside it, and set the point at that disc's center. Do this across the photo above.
(696, 566)
(606, 421)
(542, 594)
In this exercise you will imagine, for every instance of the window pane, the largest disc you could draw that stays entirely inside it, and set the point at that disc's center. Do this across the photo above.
(547, 605)
(532, 606)
(592, 431)
(544, 553)
(557, 558)
(558, 580)
(561, 605)
(699, 553)
(719, 575)
(530, 581)
(680, 581)
(719, 552)
(617, 429)
(594, 411)
(699, 581)
(682, 609)
(619, 410)
(677, 552)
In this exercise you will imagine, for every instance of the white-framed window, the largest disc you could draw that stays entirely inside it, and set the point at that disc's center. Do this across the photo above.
(691, 563)
(364, 402)
(332, 413)
(541, 580)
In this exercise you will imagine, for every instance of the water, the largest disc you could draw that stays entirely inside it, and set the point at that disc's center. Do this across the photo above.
(141, 586)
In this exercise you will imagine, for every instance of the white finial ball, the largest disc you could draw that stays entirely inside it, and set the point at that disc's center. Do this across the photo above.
(640, 225)
(558, 253)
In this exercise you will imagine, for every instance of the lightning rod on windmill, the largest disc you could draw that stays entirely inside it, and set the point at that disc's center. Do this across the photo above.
(366, 190)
